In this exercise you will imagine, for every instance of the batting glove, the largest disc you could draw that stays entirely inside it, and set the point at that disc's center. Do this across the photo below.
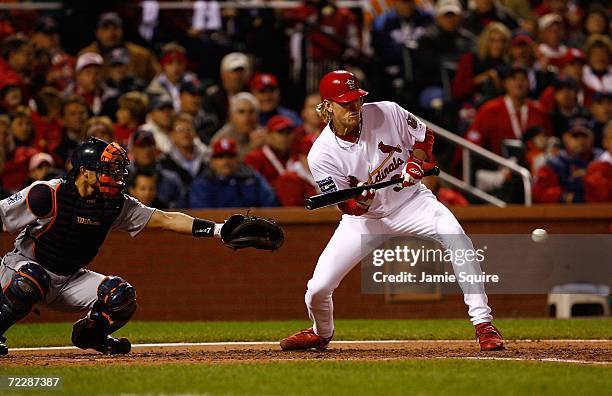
(413, 171)
(365, 199)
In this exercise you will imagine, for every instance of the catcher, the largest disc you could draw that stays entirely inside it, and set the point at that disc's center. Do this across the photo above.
(63, 223)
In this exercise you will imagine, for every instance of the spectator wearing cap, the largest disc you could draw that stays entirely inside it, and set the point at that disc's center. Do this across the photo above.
(598, 178)
(142, 185)
(174, 73)
(131, 113)
(561, 180)
(446, 41)
(74, 117)
(228, 183)
(571, 67)
(267, 91)
(205, 123)
(41, 167)
(144, 158)
(523, 52)
(235, 75)
(45, 35)
(109, 35)
(187, 155)
(118, 74)
(243, 124)
(508, 116)
(597, 73)
(89, 86)
(566, 109)
(551, 49)
(392, 33)
(601, 114)
(159, 121)
(477, 79)
(277, 162)
(485, 12)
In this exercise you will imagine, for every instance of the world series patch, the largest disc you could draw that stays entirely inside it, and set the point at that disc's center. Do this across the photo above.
(327, 185)
(14, 199)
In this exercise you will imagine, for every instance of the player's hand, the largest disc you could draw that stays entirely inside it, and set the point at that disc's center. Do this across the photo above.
(413, 171)
(365, 199)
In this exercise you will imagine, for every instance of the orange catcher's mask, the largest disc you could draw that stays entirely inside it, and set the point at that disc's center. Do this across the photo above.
(111, 170)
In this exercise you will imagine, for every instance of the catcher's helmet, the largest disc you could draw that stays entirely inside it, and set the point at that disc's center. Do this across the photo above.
(108, 160)
(340, 86)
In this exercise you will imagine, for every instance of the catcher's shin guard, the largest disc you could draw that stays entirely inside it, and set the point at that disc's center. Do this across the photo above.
(27, 288)
(115, 306)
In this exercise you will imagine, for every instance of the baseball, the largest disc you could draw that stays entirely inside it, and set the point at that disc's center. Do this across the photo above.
(539, 235)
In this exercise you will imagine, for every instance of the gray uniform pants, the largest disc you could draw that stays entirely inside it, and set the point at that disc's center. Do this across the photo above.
(72, 293)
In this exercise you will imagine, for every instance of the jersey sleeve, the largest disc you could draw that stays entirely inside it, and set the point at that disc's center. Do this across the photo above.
(409, 126)
(133, 217)
(326, 174)
(26, 206)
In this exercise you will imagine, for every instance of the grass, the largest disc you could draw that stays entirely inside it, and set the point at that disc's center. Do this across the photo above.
(423, 377)
(58, 334)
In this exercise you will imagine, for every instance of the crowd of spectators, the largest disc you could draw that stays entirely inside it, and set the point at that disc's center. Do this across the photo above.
(224, 115)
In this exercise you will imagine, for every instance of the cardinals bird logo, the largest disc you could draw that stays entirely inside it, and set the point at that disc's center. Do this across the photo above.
(386, 149)
(351, 84)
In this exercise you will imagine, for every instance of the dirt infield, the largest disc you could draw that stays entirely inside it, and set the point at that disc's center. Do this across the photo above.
(572, 351)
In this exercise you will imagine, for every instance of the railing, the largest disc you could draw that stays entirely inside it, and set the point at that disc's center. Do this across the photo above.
(468, 148)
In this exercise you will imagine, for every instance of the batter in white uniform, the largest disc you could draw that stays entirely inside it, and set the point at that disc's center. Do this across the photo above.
(369, 143)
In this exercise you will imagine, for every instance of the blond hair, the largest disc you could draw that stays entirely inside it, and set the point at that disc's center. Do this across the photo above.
(485, 37)
(323, 111)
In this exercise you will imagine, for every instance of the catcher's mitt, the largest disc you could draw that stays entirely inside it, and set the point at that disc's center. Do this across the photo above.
(240, 232)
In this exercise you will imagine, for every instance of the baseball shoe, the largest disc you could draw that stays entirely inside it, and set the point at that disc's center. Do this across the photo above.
(115, 346)
(489, 338)
(3, 347)
(304, 340)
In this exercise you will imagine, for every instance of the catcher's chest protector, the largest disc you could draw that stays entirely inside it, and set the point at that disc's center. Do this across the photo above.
(77, 230)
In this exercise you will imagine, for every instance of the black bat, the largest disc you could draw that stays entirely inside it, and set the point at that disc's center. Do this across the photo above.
(332, 198)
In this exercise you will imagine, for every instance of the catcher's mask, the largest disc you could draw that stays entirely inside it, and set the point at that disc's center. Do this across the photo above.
(108, 160)
(111, 171)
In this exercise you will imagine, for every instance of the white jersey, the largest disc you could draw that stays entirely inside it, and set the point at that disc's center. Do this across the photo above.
(388, 133)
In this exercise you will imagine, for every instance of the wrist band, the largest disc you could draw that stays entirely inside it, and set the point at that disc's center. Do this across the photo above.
(202, 228)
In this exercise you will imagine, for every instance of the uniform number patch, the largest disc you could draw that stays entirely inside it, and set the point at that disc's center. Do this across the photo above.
(13, 199)
(327, 185)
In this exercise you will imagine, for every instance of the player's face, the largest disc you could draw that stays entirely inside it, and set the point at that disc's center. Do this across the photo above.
(347, 115)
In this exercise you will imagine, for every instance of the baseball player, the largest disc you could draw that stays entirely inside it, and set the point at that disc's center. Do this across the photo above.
(369, 143)
(63, 223)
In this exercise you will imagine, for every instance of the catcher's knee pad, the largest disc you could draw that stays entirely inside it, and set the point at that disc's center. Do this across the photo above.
(27, 288)
(115, 306)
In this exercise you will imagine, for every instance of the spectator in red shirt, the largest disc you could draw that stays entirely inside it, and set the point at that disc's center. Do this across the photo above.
(17, 55)
(598, 178)
(477, 78)
(131, 114)
(279, 165)
(508, 116)
(47, 120)
(11, 93)
(267, 91)
(551, 49)
(570, 67)
(15, 170)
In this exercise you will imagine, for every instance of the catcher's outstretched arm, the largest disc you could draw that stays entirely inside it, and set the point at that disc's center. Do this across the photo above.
(183, 224)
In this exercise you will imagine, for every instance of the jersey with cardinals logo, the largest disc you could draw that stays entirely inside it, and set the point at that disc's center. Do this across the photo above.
(387, 136)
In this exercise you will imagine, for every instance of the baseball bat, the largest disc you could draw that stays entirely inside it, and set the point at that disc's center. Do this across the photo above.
(332, 198)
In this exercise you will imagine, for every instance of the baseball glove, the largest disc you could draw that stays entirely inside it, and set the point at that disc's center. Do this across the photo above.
(240, 232)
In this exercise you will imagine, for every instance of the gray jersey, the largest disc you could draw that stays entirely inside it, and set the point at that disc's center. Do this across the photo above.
(17, 215)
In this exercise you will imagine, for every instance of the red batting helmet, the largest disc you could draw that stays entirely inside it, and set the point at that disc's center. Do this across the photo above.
(340, 86)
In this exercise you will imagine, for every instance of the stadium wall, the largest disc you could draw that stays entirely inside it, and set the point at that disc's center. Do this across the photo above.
(182, 278)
